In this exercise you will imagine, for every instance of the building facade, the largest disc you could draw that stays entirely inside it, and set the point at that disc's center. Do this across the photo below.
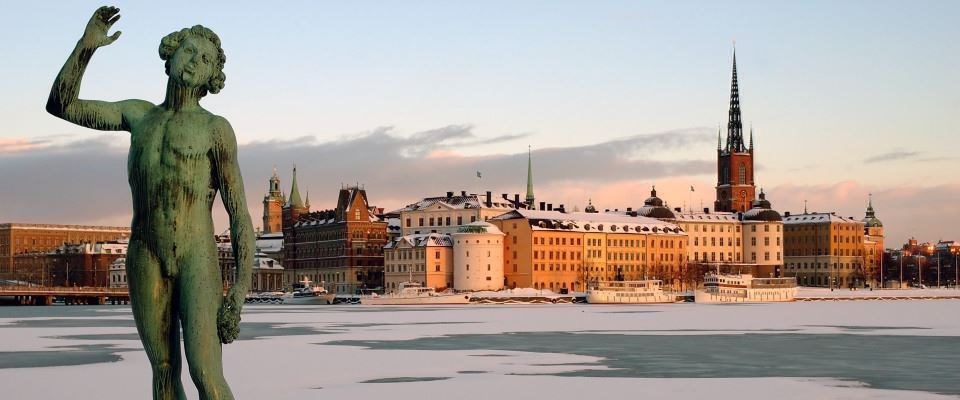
(478, 257)
(446, 214)
(564, 251)
(823, 249)
(342, 247)
(41, 238)
(72, 264)
(423, 258)
(873, 247)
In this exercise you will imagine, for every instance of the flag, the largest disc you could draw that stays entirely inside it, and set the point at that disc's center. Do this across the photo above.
(691, 188)
(478, 174)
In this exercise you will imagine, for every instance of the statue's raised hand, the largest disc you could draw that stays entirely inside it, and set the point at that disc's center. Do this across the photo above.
(95, 35)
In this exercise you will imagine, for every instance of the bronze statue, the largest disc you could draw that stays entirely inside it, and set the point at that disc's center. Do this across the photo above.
(180, 156)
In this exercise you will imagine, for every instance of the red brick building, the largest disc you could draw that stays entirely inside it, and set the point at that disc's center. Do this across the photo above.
(343, 247)
(41, 238)
(73, 264)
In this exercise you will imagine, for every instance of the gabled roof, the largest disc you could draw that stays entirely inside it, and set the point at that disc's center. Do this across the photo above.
(590, 222)
(420, 240)
(458, 202)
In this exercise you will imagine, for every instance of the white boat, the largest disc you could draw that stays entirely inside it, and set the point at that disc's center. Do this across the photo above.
(413, 293)
(305, 292)
(628, 292)
(744, 288)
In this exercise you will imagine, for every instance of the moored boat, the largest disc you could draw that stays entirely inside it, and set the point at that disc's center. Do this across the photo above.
(411, 293)
(744, 288)
(629, 292)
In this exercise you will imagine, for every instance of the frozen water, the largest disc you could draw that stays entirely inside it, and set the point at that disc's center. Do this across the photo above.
(822, 350)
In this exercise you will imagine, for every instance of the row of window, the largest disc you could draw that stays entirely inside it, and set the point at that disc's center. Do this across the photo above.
(439, 221)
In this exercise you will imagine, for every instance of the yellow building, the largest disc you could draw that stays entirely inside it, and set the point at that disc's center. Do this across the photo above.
(424, 258)
(873, 246)
(563, 251)
(823, 249)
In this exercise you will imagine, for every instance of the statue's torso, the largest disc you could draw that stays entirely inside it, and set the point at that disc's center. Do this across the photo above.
(170, 171)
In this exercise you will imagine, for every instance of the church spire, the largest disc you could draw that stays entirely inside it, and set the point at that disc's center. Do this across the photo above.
(734, 125)
(751, 138)
(295, 200)
(719, 140)
(530, 198)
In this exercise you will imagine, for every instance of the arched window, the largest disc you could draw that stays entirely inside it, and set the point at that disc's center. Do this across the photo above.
(743, 174)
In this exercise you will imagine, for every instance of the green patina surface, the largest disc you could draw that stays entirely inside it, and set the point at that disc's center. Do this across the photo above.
(180, 157)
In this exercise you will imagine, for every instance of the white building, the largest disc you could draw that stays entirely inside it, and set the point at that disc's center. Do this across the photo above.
(447, 213)
(478, 257)
(118, 273)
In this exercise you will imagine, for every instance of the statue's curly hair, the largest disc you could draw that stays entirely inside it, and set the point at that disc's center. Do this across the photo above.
(170, 43)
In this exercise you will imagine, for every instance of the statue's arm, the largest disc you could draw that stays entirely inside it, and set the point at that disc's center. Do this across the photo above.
(64, 101)
(232, 194)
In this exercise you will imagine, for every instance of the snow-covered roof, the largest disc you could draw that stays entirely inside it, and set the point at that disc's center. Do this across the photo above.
(591, 222)
(816, 218)
(481, 227)
(460, 202)
(421, 240)
(706, 217)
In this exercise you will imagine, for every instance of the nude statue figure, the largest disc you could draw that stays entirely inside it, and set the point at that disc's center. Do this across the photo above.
(180, 156)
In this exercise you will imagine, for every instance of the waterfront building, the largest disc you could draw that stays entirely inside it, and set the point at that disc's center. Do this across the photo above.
(824, 249)
(266, 273)
(546, 249)
(446, 214)
(735, 183)
(478, 257)
(16, 238)
(423, 258)
(763, 239)
(873, 246)
(72, 264)
(118, 273)
(342, 247)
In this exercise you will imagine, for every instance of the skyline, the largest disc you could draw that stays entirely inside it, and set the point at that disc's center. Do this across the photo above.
(631, 92)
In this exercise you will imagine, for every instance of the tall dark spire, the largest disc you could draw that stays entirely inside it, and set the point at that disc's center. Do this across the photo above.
(734, 125)
(530, 198)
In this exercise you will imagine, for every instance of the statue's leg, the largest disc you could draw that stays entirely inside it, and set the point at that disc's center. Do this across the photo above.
(201, 292)
(152, 300)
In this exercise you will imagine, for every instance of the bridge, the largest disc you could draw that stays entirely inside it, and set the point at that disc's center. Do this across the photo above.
(47, 295)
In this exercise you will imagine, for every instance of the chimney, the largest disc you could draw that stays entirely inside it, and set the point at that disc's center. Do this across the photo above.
(629, 209)
(606, 210)
(488, 199)
(505, 197)
(786, 214)
(543, 206)
(550, 207)
(677, 209)
(449, 194)
(616, 210)
(706, 210)
(561, 209)
(516, 198)
(463, 193)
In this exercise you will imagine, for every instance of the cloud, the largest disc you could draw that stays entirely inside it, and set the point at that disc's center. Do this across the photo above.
(86, 181)
(892, 156)
(8, 146)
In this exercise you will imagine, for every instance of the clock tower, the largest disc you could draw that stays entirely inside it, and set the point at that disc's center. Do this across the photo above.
(735, 185)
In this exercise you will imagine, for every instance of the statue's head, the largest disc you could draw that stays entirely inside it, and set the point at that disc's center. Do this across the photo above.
(194, 59)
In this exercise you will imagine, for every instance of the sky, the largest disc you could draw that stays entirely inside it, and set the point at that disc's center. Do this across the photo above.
(410, 99)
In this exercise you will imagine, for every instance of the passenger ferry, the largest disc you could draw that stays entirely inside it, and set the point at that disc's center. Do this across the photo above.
(628, 292)
(744, 288)
(411, 293)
